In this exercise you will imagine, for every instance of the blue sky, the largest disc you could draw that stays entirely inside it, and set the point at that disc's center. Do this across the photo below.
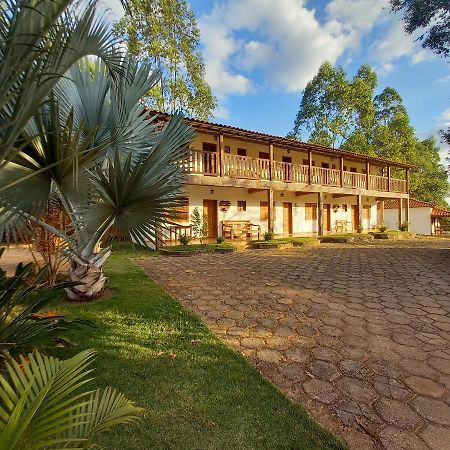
(259, 55)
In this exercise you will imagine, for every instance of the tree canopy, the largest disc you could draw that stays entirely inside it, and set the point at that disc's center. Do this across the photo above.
(431, 17)
(345, 113)
(164, 34)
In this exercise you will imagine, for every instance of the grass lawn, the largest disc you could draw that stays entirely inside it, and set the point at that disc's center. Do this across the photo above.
(197, 393)
(294, 240)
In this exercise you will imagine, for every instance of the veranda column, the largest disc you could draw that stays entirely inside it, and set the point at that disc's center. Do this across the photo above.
(381, 212)
(221, 153)
(341, 171)
(309, 166)
(388, 178)
(367, 174)
(360, 224)
(320, 213)
(407, 211)
(400, 212)
(271, 161)
(270, 209)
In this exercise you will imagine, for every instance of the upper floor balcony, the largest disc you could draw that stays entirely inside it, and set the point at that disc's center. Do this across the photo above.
(243, 167)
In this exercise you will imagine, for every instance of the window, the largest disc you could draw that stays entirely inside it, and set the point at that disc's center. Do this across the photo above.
(242, 151)
(264, 211)
(241, 205)
(208, 147)
(306, 163)
(353, 169)
(181, 213)
(344, 208)
(310, 211)
(325, 165)
(227, 149)
(264, 155)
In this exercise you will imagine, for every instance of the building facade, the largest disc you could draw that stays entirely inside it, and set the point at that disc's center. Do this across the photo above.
(424, 218)
(288, 187)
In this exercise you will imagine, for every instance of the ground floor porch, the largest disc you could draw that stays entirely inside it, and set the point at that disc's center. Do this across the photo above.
(252, 212)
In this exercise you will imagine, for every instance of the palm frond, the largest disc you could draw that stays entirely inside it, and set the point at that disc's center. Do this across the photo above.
(43, 404)
(39, 42)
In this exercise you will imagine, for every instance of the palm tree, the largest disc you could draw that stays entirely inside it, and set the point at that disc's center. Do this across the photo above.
(44, 404)
(94, 147)
(39, 42)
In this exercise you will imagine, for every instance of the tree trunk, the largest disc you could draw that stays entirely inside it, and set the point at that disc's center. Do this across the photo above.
(87, 272)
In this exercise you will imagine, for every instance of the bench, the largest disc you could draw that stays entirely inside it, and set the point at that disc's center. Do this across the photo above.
(232, 229)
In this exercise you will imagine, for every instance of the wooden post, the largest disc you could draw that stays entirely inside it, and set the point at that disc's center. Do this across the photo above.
(320, 213)
(381, 212)
(271, 161)
(389, 178)
(221, 153)
(407, 212)
(367, 174)
(407, 181)
(360, 224)
(309, 166)
(341, 174)
(270, 218)
(400, 212)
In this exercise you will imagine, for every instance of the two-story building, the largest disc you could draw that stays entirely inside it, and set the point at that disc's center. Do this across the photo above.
(289, 187)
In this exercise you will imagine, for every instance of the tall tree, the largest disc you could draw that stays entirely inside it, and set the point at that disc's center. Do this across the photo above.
(164, 33)
(335, 111)
(431, 17)
(345, 113)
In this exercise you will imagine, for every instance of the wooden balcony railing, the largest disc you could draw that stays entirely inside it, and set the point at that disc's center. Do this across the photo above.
(378, 183)
(289, 172)
(398, 185)
(242, 167)
(354, 180)
(234, 166)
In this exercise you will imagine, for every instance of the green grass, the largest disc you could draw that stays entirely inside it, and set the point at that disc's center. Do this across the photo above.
(294, 240)
(196, 247)
(197, 392)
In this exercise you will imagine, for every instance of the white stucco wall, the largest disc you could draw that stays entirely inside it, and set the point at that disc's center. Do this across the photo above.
(299, 224)
(419, 220)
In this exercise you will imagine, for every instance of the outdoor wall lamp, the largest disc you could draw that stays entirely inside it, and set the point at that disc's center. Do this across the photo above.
(282, 194)
(212, 191)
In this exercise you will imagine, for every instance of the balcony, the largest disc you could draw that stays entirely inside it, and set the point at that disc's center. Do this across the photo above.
(234, 166)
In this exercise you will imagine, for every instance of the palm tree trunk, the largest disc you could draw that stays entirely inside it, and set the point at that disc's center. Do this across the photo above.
(87, 272)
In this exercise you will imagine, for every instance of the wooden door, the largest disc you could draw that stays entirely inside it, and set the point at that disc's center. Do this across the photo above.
(366, 216)
(210, 210)
(287, 218)
(327, 217)
(355, 217)
(287, 169)
(209, 158)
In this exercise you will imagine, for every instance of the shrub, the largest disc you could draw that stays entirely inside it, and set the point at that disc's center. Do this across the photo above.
(403, 226)
(220, 239)
(199, 225)
(184, 239)
(359, 230)
(23, 325)
(383, 228)
(268, 235)
(44, 405)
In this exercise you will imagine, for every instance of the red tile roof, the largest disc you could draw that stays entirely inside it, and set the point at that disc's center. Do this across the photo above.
(436, 211)
(284, 142)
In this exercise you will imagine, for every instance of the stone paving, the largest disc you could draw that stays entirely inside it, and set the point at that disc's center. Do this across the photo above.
(358, 334)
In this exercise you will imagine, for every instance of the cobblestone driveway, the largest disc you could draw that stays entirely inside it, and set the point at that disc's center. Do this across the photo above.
(359, 335)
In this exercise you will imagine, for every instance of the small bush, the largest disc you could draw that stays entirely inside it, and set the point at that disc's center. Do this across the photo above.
(359, 230)
(383, 228)
(184, 239)
(220, 239)
(268, 235)
(403, 226)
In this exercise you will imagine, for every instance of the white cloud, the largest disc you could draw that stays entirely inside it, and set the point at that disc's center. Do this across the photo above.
(445, 118)
(442, 80)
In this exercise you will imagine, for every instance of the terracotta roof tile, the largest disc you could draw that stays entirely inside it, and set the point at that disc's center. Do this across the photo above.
(281, 141)
(414, 203)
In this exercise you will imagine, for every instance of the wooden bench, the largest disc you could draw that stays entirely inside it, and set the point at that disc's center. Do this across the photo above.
(175, 231)
(232, 229)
